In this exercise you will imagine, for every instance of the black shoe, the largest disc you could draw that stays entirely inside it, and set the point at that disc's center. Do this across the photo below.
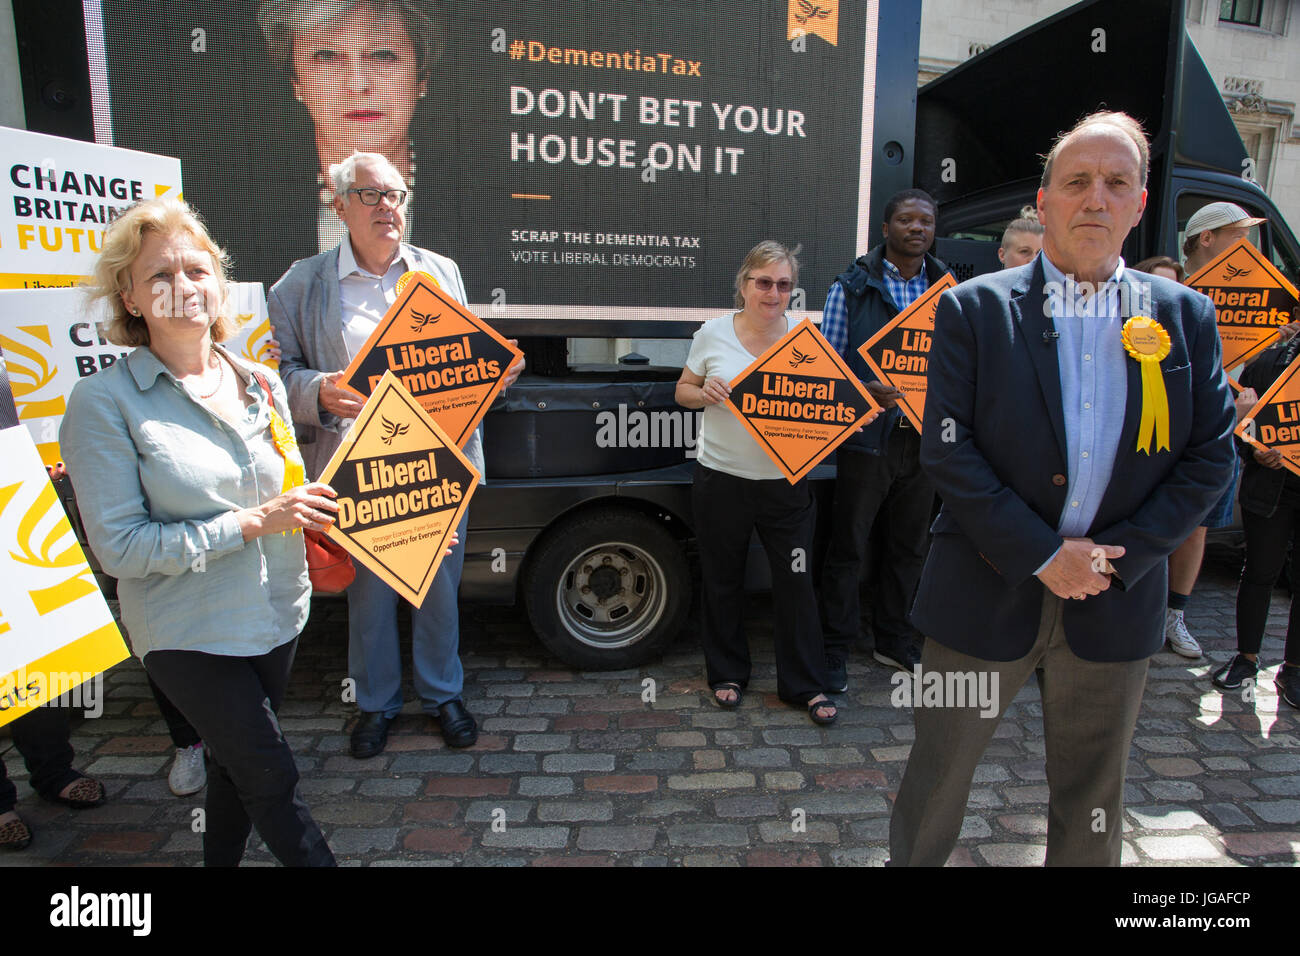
(905, 658)
(1231, 674)
(1287, 683)
(370, 734)
(837, 674)
(458, 726)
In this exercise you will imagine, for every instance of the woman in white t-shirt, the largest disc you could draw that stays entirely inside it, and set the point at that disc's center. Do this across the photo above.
(738, 489)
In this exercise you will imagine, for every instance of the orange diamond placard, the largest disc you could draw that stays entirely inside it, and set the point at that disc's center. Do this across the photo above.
(450, 360)
(899, 353)
(1275, 421)
(402, 486)
(799, 400)
(1251, 298)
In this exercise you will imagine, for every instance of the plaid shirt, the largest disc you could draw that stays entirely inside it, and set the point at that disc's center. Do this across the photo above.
(835, 315)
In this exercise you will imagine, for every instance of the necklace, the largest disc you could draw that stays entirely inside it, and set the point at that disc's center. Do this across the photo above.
(221, 377)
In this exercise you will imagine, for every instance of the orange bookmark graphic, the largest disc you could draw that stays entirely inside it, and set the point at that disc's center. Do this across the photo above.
(1251, 298)
(1275, 421)
(799, 401)
(402, 486)
(449, 359)
(899, 353)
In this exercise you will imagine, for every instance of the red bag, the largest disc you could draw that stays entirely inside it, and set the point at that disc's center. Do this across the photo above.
(328, 565)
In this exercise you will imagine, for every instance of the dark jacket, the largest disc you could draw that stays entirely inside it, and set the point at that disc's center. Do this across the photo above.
(1261, 488)
(994, 445)
(870, 308)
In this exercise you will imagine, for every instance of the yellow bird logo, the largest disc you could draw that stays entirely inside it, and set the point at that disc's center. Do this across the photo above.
(1232, 272)
(811, 11)
(800, 358)
(420, 319)
(392, 430)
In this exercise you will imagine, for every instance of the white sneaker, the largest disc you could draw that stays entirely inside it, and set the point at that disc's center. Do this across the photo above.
(188, 774)
(1180, 641)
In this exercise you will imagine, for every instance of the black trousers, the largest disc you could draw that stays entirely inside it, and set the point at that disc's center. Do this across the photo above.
(1268, 542)
(182, 734)
(252, 779)
(727, 511)
(41, 736)
(867, 486)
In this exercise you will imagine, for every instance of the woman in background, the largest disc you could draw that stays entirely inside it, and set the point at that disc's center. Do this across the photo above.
(738, 489)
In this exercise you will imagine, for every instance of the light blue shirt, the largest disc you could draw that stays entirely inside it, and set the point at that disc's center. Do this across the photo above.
(1094, 390)
(159, 478)
(365, 297)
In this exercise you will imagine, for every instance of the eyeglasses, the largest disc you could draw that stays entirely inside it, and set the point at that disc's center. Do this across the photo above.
(765, 284)
(370, 196)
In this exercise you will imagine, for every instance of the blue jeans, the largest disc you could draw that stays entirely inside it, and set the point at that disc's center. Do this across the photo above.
(374, 649)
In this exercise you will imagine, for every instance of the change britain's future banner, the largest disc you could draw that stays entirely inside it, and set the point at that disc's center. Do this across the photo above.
(579, 159)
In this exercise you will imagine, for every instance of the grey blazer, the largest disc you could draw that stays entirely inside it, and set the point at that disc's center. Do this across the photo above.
(307, 317)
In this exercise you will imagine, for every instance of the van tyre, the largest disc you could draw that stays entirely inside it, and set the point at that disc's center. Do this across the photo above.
(607, 589)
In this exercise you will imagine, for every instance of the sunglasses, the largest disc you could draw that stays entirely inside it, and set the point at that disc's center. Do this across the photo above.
(765, 284)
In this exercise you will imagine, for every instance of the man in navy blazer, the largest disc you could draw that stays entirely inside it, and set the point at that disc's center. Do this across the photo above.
(1060, 502)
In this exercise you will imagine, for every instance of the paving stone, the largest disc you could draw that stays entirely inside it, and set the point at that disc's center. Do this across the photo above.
(708, 759)
(548, 743)
(135, 766)
(1228, 814)
(622, 783)
(577, 763)
(617, 838)
(710, 781)
(783, 780)
(1278, 763)
(850, 779)
(1165, 818)
(527, 838)
(707, 834)
(681, 738)
(974, 828)
(657, 761)
(466, 787)
(390, 787)
(1179, 848)
(815, 831)
(990, 773)
(749, 806)
(1288, 786)
(486, 811)
(508, 763)
(1012, 854)
(516, 725)
(762, 757)
(792, 736)
(666, 808)
(1174, 766)
(860, 856)
(1264, 843)
(1173, 790)
(842, 803)
(831, 756)
(346, 841)
(1276, 811)
(545, 786)
(434, 763)
(575, 811)
(1227, 764)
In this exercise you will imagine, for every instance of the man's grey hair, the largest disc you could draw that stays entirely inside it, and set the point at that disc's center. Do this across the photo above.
(343, 176)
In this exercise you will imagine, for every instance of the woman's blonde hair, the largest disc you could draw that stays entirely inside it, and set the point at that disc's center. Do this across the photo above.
(121, 246)
(763, 254)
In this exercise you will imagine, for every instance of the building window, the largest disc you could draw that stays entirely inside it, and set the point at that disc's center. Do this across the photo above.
(1244, 12)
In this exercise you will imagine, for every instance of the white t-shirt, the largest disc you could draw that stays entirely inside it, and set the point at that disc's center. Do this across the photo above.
(724, 444)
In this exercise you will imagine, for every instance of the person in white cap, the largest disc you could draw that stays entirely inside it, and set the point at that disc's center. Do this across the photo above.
(1211, 230)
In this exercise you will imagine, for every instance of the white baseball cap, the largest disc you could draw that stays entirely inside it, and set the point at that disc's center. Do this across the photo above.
(1217, 215)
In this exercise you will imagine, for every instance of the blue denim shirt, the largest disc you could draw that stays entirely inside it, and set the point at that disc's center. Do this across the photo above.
(158, 479)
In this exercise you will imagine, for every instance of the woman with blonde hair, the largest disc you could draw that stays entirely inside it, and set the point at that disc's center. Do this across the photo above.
(191, 490)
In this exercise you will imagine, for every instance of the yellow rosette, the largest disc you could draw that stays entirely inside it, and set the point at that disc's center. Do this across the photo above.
(406, 277)
(286, 443)
(1148, 343)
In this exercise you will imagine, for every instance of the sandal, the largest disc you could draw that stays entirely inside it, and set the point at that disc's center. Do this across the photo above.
(728, 704)
(14, 835)
(824, 703)
(85, 793)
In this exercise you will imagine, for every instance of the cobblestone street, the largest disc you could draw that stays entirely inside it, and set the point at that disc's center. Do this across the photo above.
(585, 772)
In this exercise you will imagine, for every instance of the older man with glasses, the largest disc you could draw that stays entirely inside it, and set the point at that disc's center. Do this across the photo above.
(323, 310)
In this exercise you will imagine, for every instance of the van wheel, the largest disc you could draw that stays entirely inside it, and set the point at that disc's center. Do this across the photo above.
(608, 589)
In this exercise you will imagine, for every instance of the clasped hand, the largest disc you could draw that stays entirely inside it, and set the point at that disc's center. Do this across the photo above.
(1081, 568)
